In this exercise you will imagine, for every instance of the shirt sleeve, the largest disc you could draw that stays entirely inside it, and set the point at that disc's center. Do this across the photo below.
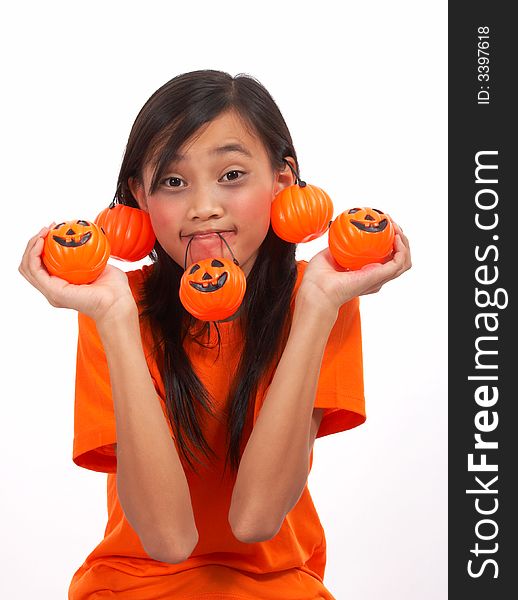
(340, 388)
(94, 417)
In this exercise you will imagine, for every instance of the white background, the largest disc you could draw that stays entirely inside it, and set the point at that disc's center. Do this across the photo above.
(362, 86)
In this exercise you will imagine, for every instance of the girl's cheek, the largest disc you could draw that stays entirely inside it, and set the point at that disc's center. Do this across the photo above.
(163, 219)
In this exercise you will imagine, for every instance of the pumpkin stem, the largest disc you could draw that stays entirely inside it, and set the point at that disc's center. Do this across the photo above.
(112, 204)
(297, 178)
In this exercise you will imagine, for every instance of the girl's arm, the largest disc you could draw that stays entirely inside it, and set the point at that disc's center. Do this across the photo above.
(151, 482)
(275, 464)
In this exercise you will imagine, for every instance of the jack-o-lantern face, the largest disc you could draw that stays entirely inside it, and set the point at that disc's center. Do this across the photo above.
(73, 236)
(360, 236)
(365, 219)
(76, 251)
(212, 289)
(209, 283)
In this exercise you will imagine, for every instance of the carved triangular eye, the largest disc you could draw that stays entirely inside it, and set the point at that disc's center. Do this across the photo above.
(378, 211)
(86, 223)
(59, 225)
(352, 211)
(216, 263)
(194, 269)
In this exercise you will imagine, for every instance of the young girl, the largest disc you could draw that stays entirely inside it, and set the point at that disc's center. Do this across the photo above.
(206, 429)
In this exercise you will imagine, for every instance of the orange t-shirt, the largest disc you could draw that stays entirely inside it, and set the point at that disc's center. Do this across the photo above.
(288, 566)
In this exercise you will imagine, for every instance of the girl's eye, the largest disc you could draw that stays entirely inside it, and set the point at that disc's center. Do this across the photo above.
(168, 179)
(175, 181)
(233, 172)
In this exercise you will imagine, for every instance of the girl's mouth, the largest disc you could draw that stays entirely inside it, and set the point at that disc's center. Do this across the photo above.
(209, 245)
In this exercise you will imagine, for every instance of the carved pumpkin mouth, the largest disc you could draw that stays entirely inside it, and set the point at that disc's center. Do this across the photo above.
(72, 243)
(210, 287)
(374, 228)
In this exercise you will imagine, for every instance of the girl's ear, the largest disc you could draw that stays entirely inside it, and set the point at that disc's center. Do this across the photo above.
(137, 189)
(285, 177)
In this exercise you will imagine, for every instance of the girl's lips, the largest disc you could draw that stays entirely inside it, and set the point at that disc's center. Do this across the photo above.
(208, 236)
(209, 245)
(202, 235)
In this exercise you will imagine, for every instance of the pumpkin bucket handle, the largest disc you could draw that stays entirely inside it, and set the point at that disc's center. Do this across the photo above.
(297, 178)
(234, 259)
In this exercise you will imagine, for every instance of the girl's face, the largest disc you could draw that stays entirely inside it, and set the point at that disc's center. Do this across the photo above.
(223, 181)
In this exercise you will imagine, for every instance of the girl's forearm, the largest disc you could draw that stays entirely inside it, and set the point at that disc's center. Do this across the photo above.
(151, 482)
(275, 464)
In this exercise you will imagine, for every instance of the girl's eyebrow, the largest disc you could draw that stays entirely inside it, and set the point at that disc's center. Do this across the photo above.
(226, 149)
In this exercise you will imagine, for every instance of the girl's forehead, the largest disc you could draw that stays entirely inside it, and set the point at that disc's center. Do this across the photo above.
(221, 135)
(226, 148)
(227, 131)
(214, 149)
(223, 148)
(227, 136)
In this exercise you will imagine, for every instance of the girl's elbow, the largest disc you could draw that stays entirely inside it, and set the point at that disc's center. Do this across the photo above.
(252, 537)
(172, 554)
(254, 530)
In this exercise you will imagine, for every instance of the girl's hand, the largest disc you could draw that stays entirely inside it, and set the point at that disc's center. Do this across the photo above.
(327, 283)
(108, 294)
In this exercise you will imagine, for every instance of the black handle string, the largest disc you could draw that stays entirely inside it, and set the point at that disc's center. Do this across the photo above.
(234, 259)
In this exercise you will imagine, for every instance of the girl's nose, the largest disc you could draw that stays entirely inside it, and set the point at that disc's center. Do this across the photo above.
(205, 207)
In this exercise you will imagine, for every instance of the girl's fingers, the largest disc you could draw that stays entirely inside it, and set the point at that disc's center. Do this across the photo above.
(396, 226)
(35, 256)
(403, 236)
(30, 257)
(31, 244)
(399, 263)
(32, 241)
(405, 242)
(37, 267)
(41, 234)
(34, 270)
(394, 267)
(402, 256)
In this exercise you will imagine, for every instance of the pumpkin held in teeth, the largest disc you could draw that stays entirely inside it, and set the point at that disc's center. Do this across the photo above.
(76, 251)
(360, 236)
(212, 289)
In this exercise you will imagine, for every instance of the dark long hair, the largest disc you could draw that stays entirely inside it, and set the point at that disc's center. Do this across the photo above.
(170, 117)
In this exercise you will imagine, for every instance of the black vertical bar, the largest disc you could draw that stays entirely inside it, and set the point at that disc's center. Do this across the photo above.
(483, 253)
